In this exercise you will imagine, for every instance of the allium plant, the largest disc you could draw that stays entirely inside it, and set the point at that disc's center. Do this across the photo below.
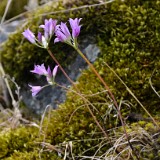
(50, 77)
(35, 90)
(42, 40)
(29, 35)
(49, 28)
(63, 34)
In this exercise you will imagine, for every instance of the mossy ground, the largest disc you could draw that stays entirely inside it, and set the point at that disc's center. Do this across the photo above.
(127, 34)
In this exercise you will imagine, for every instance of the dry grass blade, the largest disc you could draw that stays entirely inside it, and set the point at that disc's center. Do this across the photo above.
(150, 82)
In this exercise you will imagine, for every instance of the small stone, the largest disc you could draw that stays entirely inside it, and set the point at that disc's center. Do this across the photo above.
(92, 52)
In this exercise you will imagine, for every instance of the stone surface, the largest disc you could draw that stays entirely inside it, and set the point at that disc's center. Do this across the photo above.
(92, 52)
(6, 29)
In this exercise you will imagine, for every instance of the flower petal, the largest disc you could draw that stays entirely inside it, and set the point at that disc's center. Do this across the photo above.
(74, 23)
(60, 36)
(29, 35)
(44, 42)
(39, 37)
(35, 90)
(55, 71)
(39, 69)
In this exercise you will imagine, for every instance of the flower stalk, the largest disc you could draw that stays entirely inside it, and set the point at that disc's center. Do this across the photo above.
(111, 95)
(61, 68)
(78, 92)
(63, 35)
(42, 41)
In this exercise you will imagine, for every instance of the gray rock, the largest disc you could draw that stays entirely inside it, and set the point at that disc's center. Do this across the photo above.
(3, 36)
(92, 52)
(7, 29)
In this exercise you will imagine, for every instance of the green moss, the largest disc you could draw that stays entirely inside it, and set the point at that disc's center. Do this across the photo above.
(32, 155)
(130, 48)
(126, 32)
(18, 140)
(3, 5)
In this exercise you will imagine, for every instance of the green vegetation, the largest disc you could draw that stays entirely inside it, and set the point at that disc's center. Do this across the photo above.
(128, 35)
(14, 9)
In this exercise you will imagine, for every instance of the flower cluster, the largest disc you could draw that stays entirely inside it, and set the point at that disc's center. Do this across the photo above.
(61, 31)
(62, 34)
(41, 70)
(42, 40)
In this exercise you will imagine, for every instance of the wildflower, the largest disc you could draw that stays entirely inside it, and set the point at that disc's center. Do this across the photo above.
(35, 90)
(51, 75)
(74, 23)
(49, 28)
(40, 69)
(44, 42)
(29, 35)
(39, 37)
(63, 34)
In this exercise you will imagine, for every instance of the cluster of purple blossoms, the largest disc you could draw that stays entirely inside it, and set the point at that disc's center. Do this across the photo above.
(50, 76)
(42, 40)
(62, 34)
(61, 31)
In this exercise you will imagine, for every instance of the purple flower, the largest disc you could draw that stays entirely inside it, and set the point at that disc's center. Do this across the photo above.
(55, 71)
(51, 75)
(49, 28)
(40, 69)
(39, 37)
(42, 40)
(29, 35)
(35, 89)
(49, 72)
(62, 32)
(74, 23)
